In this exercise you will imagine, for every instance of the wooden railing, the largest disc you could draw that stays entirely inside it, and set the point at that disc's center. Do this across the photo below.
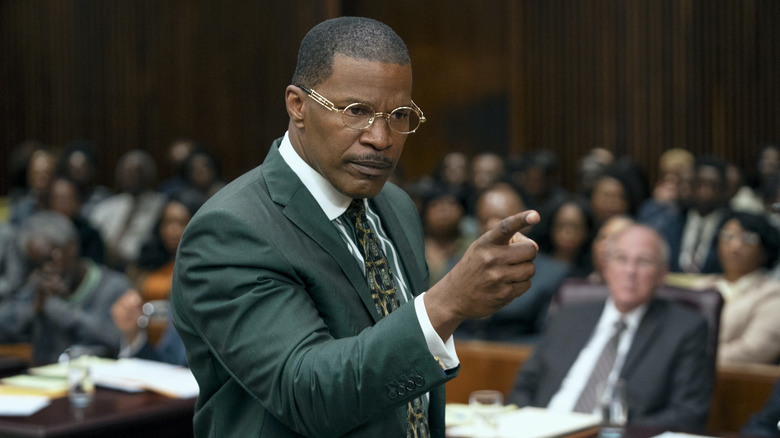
(740, 390)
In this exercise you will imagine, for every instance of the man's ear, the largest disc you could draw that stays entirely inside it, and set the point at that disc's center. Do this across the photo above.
(294, 98)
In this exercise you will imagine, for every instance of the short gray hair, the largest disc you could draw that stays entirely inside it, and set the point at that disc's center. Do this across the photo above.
(55, 227)
(663, 245)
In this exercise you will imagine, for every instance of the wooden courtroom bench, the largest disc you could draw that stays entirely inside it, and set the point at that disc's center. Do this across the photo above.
(740, 390)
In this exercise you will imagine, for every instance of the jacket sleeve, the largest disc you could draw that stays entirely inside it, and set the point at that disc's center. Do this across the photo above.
(251, 314)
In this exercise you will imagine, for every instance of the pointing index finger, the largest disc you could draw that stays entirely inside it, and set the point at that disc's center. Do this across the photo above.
(511, 225)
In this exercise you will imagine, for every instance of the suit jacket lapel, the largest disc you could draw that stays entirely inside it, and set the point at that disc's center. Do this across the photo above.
(645, 333)
(301, 208)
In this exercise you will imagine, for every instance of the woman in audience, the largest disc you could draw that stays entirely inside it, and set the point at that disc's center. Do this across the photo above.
(747, 248)
(567, 235)
(65, 197)
(614, 193)
(153, 272)
(443, 209)
(153, 276)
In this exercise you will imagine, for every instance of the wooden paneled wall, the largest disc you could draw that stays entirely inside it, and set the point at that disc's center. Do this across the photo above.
(507, 75)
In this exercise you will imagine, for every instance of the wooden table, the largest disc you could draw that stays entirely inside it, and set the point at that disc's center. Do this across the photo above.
(112, 414)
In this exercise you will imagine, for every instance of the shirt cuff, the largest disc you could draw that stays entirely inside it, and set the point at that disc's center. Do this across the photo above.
(444, 352)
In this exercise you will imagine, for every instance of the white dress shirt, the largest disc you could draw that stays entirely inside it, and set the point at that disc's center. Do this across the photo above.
(572, 385)
(334, 204)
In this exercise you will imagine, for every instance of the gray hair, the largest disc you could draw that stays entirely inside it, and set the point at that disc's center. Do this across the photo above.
(55, 227)
(663, 245)
(355, 37)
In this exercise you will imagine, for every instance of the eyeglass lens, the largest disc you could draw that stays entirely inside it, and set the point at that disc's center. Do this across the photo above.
(360, 116)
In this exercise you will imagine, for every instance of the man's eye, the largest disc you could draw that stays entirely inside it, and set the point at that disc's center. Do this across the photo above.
(358, 111)
(400, 114)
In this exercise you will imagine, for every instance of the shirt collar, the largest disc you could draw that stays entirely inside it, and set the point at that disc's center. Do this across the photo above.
(632, 318)
(332, 202)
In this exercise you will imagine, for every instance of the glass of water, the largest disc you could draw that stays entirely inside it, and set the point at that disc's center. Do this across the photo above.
(614, 411)
(81, 388)
(486, 405)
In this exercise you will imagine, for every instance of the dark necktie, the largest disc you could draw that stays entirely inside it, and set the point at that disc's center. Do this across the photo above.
(380, 281)
(598, 378)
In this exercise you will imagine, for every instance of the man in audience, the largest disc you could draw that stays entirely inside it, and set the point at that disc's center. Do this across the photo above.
(128, 313)
(656, 347)
(127, 218)
(521, 320)
(692, 233)
(67, 298)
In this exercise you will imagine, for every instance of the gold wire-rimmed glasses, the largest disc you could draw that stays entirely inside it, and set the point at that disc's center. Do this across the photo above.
(359, 116)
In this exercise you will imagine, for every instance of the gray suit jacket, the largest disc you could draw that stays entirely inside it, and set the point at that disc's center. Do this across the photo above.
(278, 322)
(668, 380)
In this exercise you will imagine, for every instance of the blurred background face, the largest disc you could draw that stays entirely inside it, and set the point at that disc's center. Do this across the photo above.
(64, 198)
(708, 190)
(769, 162)
(496, 205)
(486, 169)
(79, 167)
(609, 198)
(175, 218)
(455, 169)
(40, 171)
(131, 176)
(569, 229)
(739, 250)
(202, 173)
(634, 268)
(443, 216)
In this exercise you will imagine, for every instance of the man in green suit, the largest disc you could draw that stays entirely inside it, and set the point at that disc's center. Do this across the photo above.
(271, 294)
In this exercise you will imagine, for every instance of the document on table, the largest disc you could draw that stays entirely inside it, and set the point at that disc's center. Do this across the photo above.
(138, 374)
(132, 375)
(527, 422)
(22, 405)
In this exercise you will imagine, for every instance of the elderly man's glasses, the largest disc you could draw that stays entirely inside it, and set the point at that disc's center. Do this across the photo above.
(403, 120)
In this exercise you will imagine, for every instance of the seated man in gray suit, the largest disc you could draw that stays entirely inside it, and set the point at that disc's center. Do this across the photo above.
(655, 346)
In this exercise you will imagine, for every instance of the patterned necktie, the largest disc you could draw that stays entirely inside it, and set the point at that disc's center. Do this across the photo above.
(380, 281)
(598, 378)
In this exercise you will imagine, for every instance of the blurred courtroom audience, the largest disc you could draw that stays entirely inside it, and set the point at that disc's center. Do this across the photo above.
(521, 320)
(567, 234)
(152, 272)
(202, 173)
(672, 190)
(40, 171)
(443, 208)
(487, 168)
(79, 163)
(127, 218)
(748, 247)
(65, 197)
(178, 152)
(66, 299)
(533, 175)
(656, 347)
(12, 264)
(692, 232)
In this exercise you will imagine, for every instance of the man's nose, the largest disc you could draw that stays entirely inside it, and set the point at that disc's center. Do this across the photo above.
(378, 134)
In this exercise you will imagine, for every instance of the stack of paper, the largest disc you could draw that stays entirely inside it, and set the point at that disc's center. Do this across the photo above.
(526, 422)
(22, 405)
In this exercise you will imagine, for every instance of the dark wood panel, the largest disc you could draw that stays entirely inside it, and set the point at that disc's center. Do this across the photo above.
(636, 77)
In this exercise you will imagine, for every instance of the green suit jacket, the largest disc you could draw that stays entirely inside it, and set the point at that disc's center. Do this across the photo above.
(278, 322)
